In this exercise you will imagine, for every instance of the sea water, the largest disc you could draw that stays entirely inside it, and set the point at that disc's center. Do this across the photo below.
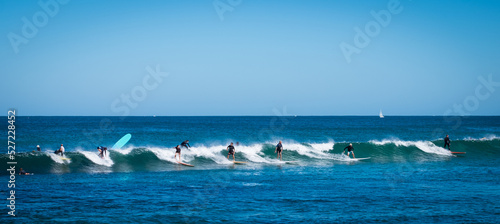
(409, 177)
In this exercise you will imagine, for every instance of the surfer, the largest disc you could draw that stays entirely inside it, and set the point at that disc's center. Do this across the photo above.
(447, 142)
(99, 148)
(231, 150)
(350, 150)
(279, 148)
(178, 151)
(104, 150)
(38, 148)
(60, 151)
(22, 172)
(185, 144)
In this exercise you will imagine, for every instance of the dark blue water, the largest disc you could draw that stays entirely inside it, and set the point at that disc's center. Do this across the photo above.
(87, 132)
(409, 177)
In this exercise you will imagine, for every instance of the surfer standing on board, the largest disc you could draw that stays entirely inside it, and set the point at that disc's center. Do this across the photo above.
(104, 151)
(231, 150)
(350, 150)
(447, 142)
(278, 149)
(185, 144)
(178, 151)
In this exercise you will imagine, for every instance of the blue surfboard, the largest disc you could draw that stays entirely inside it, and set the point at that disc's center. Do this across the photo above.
(120, 143)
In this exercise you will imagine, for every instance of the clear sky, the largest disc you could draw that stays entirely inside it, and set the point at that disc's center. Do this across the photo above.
(243, 57)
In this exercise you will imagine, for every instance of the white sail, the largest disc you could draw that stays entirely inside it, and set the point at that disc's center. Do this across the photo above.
(381, 115)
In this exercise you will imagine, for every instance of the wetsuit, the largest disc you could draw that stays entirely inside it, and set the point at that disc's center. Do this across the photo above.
(38, 149)
(349, 149)
(104, 149)
(22, 172)
(231, 150)
(279, 147)
(177, 149)
(100, 151)
(447, 142)
(185, 144)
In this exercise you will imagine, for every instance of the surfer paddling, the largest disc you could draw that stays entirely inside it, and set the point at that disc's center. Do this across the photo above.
(230, 151)
(22, 172)
(447, 142)
(279, 149)
(350, 150)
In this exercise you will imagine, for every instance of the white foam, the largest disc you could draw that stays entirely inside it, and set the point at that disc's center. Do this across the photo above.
(485, 138)
(57, 158)
(323, 147)
(312, 152)
(94, 157)
(212, 153)
(209, 152)
(125, 151)
(164, 154)
(251, 184)
(254, 153)
(425, 146)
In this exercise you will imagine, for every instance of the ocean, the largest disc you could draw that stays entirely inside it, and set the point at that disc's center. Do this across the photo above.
(409, 177)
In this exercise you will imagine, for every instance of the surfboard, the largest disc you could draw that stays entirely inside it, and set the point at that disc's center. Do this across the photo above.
(185, 164)
(457, 152)
(64, 158)
(357, 159)
(290, 162)
(239, 162)
(120, 143)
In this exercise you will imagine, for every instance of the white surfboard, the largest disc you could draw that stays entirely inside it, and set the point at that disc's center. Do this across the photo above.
(358, 159)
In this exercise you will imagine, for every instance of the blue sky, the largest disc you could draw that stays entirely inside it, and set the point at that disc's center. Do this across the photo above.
(262, 55)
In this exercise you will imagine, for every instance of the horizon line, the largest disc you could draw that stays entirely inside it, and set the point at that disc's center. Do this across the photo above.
(257, 116)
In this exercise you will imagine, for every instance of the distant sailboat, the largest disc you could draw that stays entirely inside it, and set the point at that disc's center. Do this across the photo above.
(380, 114)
